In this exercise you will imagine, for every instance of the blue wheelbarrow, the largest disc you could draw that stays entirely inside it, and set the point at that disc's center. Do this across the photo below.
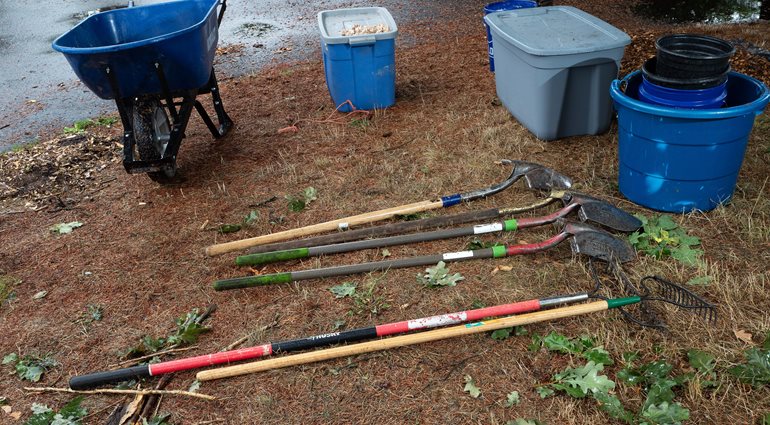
(153, 61)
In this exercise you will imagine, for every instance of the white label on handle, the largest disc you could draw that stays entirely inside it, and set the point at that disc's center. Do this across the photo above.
(487, 228)
(343, 226)
(457, 255)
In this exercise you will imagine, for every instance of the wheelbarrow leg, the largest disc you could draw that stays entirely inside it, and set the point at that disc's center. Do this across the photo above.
(224, 120)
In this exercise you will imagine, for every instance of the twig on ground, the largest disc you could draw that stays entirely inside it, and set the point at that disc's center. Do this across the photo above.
(120, 392)
(236, 343)
(149, 356)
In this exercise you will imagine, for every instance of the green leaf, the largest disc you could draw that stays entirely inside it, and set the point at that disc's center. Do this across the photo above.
(630, 356)
(439, 276)
(537, 342)
(512, 398)
(701, 361)
(656, 370)
(520, 421)
(756, 370)
(700, 280)
(70, 414)
(544, 392)
(598, 355)
(612, 405)
(559, 343)
(30, 372)
(64, 228)
(10, 358)
(665, 222)
(477, 243)
(195, 386)
(251, 217)
(660, 391)
(765, 419)
(296, 204)
(520, 331)
(501, 334)
(157, 420)
(471, 388)
(587, 379)
(345, 290)
(229, 228)
(666, 413)
(310, 194)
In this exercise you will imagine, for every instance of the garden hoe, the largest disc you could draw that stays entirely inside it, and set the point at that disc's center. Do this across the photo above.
(584, 239)
(654, 289)
(589, 209)
(520, 169)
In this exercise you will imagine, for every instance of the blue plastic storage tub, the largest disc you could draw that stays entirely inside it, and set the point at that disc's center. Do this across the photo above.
(679, 160)
(179, 35)
(359, 68)
(501, 6)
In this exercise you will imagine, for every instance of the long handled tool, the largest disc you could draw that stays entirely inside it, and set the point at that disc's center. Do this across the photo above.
(591, 209)
(520, 169)
(144, 371)
(610, 216)
(585, 239)
(654, 289)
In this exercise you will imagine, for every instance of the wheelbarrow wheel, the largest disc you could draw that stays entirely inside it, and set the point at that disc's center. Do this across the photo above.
(152, 132)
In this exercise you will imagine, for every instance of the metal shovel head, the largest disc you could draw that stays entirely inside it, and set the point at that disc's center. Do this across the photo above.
(597, 243)
(602, 212)
(539, 177)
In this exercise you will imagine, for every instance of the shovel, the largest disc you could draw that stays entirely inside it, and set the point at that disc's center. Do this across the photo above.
(584, 239)
(589, 209)
(520, 169)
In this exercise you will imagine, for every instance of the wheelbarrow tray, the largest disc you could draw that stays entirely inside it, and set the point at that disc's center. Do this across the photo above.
(180, 36)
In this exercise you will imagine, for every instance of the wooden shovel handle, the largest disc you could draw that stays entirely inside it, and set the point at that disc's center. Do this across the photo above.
(323, 227)
(401, 341)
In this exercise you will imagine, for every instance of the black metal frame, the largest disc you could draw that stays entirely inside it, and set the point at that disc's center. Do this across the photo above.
(179, 116)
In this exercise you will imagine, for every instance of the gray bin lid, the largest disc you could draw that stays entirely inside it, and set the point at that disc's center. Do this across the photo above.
(556, 30)
(332, 22)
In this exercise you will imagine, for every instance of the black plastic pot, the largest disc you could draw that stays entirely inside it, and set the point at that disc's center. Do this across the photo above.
(692, 56)
(650, 72)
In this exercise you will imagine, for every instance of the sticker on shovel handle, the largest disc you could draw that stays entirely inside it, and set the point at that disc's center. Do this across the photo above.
(457, 255)
(487, 228)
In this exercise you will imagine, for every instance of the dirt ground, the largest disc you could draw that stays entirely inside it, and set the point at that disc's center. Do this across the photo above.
(139, 254)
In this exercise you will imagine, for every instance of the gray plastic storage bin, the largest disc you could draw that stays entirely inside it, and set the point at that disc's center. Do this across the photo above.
(553, 68)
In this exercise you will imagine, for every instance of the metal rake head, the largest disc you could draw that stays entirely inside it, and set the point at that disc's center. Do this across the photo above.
(651, 289)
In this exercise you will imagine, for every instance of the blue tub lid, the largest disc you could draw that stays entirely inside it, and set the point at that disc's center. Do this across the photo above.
(332, 22)
(556, 30)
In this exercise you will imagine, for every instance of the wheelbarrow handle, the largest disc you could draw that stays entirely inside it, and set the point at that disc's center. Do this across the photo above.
(221, 12)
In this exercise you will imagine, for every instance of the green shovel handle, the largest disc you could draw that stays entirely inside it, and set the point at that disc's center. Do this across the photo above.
(272, 257)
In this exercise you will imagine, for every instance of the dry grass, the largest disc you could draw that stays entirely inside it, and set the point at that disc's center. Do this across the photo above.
(443, 136)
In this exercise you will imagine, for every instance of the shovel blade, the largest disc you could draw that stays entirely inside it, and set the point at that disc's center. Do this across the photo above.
(604, 213)
(597, 243)
(539, 177)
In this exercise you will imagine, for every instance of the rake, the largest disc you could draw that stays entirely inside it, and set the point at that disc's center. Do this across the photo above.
(520, 169)
(605, 214)
(584, 239)
(654, 289)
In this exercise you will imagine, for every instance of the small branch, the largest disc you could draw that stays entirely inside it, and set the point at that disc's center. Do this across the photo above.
(121, 392)
(149, 356)
(236, 343)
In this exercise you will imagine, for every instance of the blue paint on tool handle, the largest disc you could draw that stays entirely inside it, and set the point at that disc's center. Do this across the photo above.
(448, 201)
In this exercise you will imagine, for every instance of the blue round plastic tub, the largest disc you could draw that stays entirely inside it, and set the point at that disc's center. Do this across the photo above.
(679, 160)
(710, 98)
(502, 6)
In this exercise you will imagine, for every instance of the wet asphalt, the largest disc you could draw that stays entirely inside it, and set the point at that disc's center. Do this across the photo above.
(39, 93)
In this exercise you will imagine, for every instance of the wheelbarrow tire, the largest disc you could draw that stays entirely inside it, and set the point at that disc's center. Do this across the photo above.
(152, 131)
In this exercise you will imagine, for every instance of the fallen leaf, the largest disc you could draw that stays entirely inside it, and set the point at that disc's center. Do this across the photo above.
(743, 336)
(15, 415)
(40, 295)
(6, 409)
